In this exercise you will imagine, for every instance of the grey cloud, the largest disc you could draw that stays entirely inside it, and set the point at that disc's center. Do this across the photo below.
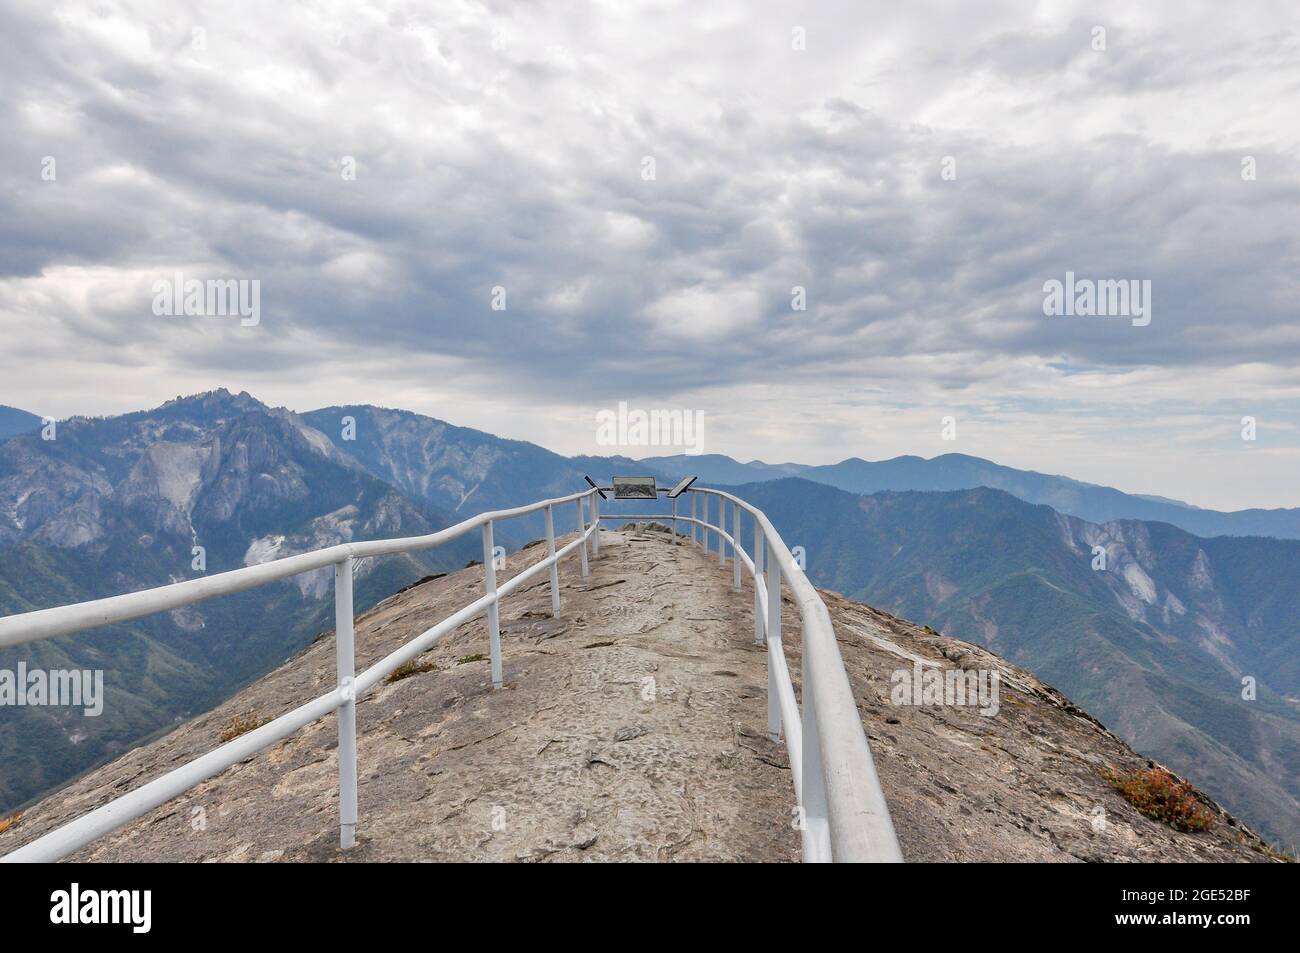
(523, 171)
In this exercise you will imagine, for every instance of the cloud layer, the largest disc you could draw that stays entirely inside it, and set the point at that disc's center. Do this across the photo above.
(505, 145)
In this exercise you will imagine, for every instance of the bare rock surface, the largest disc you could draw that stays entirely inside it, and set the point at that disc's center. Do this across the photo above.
(1026, 784)
(632, 727)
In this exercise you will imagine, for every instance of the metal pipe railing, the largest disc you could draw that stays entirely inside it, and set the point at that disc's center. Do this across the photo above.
(64, 620)
(844, 812)
(845, 817)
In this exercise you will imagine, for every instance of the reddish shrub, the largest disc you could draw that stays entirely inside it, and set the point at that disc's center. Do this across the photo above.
(1159, 795)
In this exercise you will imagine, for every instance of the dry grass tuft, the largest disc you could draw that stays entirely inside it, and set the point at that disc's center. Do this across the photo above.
(242, 725)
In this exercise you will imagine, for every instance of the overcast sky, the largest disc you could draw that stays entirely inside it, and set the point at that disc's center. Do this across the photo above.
(505, 144)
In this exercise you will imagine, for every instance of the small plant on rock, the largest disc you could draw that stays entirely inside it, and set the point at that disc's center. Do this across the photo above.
(407, 669)
(242, 725)
(1161, 796)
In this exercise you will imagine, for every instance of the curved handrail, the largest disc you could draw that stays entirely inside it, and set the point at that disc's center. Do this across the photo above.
(840, 785)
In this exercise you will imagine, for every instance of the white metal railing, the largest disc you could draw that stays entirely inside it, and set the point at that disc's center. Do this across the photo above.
(845, 817)
(63, 620)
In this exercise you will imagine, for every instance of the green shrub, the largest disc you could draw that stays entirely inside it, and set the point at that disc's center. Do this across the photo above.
(407, 669)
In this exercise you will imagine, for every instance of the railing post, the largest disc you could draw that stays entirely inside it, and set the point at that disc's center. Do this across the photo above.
(773, 698)
(722, 528)
(704, 522)
(674, 521)
(493, 615)
(816, 835)
(773, 632)
(345, 669)
(595, 518)
(695, 514)
(773, 598)
(759, 621)
(582, 528)
(735, 547)
(555, 569)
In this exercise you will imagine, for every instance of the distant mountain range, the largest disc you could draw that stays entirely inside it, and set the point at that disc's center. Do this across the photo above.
(1155, 646)
(14, 421)
(957, 471)
(118, 504)
(461, 472)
